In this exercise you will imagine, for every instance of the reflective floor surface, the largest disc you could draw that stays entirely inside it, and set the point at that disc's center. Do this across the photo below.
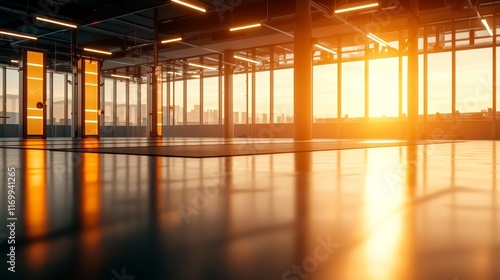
(399, 212)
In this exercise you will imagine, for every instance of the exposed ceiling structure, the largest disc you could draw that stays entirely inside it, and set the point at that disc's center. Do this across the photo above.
(127, 27)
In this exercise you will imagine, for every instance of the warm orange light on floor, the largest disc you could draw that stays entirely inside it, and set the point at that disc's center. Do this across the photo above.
(35, 86)
(90, 192)
(35, 210)
(91, 96)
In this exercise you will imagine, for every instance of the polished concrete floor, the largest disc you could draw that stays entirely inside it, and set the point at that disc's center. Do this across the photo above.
(396, 211)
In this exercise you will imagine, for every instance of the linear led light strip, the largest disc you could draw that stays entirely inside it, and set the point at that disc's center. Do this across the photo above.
(485, 23)
(35, 78)
(35, 64)
(120, 76)
(56, 22)
(171, 40)
(174, 73)
(35, 117)
(247, 59)
(355, 8)
(377, 39)
(97, 51)
(17, 35)
(202, 66)
(189, 5)
(325, 49)
(245, 27)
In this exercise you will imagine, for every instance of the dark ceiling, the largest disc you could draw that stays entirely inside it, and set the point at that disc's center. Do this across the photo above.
(126, 27)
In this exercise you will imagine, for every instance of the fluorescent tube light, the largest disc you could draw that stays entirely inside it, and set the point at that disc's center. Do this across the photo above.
(56, 22)
(14, 61)
(97, 51)
(245, 27)
(377, 39)
(247, 59)
(120, 76)
(17, 35)
(355, 8)
(171, 40)
(174, 73)
(202, 66)
(190, 5)
(485, 23)
(325, 48)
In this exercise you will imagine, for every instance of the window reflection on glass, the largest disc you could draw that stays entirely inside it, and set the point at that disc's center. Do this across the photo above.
(58, 99)
(498, 72)
(70, 98)
(12, 96)
(325, 93)
(420, 85)
(2, 113)
(108, 102)
(179, 102)
(144, 104)
(283, 96)
(353, 90)
(121, 106)
(439, 85)
(211, 100)
(35, 74)
(384, 88)
(262, 97)
(474, 76)
(132, 107)
(193, 101)
(240, 98)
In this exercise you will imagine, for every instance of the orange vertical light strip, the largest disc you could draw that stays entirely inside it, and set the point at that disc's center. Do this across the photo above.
(159, 88)
(35, 86)
(91, 96)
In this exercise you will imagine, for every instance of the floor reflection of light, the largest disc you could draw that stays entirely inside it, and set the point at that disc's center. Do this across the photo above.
(36, 194)
(35, 210)
(381, 141)
(384, 230)
(90, 195)
(90, 190)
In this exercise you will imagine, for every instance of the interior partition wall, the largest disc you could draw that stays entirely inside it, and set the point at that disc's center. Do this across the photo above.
(34, 95)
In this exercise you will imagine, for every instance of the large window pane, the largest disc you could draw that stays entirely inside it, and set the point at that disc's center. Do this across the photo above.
(353, 90)
(384, 88)
(211, 100)
(144, 104)
(70, 98)
(439, 87)
(2, 113)
(474, 81)
(498, 77)
(262, 97)
(121, 111)
(178, 103)
(240, 98)
(193, 101)
(13, 96)
(108, 102)
(283, 96)
(325, 93)
(58, 102)
(132, 109)
(420, 85)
